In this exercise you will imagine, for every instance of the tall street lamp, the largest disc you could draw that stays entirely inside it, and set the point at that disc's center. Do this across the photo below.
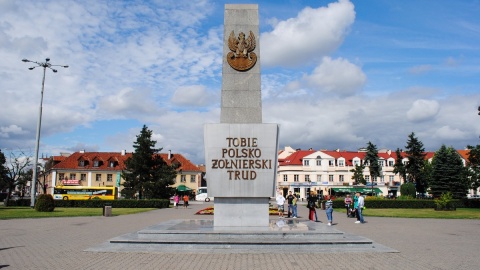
(45, 65)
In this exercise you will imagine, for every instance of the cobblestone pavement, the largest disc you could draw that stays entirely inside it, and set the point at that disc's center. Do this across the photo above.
(59, 243)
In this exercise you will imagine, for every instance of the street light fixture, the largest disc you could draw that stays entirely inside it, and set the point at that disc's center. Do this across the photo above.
(45, 65)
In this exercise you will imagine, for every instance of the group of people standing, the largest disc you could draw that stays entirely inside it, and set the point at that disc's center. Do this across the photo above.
(354, 205)
(176, 200)
(291, 200)
(357, 207)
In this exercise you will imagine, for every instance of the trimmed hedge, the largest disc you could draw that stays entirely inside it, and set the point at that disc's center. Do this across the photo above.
(158, 203)
(382, 203)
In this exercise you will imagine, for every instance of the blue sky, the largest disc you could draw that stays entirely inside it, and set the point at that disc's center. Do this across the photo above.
(335, 74)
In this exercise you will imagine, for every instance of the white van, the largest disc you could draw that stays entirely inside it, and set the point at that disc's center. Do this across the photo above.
(202, 195)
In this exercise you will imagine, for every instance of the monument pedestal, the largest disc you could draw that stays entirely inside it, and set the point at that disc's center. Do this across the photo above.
(241, 212)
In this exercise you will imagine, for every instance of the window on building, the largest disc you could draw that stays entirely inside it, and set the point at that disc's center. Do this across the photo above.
(382, 178)
(306, 162)
(192, 178)
(307, 178)
(183, 178)
(367, 178)
(331, 163)
(356, 162)
(83, 176)
(285, 178)
(111, 164)
(98, 177)
(391, 178)
(391, 163)
(319, 178)
(109, 177)
(341, 163)
(330, 178)
(81, 163)
(405, 162)
(73, 176)
(295, 177)
(61, 176)
(381, 163)
(341, 178)
(319, 162)
(366, 163)
(96, 163)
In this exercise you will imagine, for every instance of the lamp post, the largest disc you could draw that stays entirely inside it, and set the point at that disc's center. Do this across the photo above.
(45, 65)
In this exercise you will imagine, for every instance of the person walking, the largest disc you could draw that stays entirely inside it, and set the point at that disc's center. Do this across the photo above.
(176, 200)
(348, 203)
(329, 210)
(280, 202)
(185, 201)
(290, 204)
(361, 204)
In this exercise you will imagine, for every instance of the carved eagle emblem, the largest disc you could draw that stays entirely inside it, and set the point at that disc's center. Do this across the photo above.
(241, 57)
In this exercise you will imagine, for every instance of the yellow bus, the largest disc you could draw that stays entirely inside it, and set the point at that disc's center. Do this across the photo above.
(84, 193)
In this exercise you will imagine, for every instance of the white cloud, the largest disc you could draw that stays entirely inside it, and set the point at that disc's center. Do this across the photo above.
(192, 95)
(313, 34)
(420, 69)
(423, 110)
(337, 76)
(447, 133)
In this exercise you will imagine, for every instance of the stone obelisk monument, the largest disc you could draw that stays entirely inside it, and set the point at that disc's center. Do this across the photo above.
(241, 151)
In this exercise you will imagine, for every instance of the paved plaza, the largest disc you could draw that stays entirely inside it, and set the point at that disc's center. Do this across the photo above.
(60, 243)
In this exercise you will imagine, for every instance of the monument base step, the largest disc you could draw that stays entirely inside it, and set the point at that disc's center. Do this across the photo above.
(282, 236)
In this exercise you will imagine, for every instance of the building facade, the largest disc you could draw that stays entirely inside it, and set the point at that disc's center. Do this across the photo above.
(105, 168)
(327, 172)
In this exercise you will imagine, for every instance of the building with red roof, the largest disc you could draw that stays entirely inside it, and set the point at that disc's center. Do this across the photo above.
(328, 172)
(105, 168)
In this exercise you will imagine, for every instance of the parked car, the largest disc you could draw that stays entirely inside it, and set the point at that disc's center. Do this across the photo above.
(473, 196)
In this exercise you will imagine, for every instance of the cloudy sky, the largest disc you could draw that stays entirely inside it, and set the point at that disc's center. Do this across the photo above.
(335, 74)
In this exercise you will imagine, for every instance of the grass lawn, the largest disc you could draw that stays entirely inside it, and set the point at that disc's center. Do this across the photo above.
(460, 213)
(27, 212)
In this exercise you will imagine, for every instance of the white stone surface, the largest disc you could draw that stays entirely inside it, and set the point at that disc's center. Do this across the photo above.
(260, 157)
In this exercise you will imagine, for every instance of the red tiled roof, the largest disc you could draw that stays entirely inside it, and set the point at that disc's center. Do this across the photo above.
(295, 158)
(72, 161)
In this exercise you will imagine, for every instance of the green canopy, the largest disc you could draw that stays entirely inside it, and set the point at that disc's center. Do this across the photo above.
(183, 188)
(357, 189)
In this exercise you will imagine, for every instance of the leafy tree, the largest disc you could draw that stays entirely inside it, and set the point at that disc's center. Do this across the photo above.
(414, 168)
(448, 174)
(146, 173)
(473, 166)
(371, 158)
(357, 176)
(399, 167)
(14, 171)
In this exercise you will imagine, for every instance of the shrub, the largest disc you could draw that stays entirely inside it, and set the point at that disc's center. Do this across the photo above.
(408, 189)
(45, 203)
(445, 202)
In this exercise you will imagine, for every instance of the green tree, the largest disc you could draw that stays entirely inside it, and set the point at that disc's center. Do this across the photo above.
(408, 190)
(448, 173)
(473, 166)
(399, 167)
(3, 171)
(357, 176)
(371, 158)
(414, 168)
(146, 173)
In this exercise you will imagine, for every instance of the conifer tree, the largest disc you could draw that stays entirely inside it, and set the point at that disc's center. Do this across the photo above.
(357, 176)
(371, 158)
(448, 173)
(399, 167)
(146, 173)
(414, 168)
